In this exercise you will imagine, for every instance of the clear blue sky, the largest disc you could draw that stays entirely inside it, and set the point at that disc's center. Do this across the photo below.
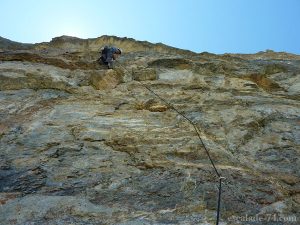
(217, 26)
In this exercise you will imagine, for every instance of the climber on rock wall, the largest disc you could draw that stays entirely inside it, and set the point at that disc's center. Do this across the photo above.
(109, 54)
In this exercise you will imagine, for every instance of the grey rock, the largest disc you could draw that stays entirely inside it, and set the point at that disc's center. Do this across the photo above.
(80, 144)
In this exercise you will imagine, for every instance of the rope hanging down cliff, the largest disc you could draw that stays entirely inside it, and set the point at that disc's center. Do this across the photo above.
(199, 137)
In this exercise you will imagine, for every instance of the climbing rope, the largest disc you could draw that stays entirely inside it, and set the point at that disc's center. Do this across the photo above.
(199, 137)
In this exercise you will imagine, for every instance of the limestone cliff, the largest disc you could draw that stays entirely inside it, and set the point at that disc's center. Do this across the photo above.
(80, 144)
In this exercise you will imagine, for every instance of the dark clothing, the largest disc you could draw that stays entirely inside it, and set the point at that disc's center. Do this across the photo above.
(107, 55)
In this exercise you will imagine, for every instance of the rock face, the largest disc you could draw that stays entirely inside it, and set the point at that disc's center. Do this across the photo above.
(80, 144)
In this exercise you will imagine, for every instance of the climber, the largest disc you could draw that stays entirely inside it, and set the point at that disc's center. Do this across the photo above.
(109, 54)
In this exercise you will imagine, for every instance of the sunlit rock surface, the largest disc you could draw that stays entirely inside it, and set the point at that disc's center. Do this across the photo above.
(80, 144)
